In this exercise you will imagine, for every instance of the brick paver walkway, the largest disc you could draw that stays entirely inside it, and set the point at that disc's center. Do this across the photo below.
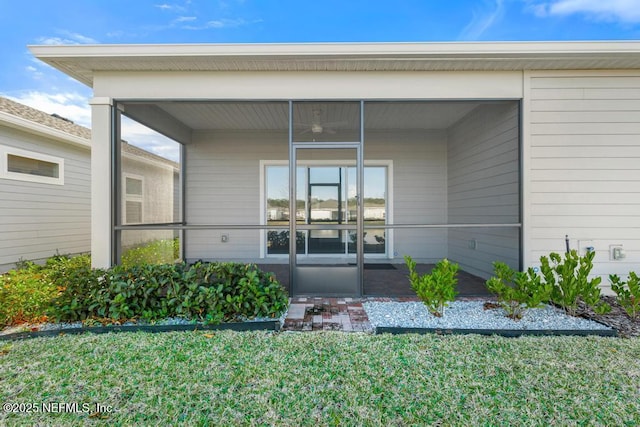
(330, 314)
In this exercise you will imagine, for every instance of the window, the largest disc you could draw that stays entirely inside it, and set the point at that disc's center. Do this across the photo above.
(133, 199)
(29, 166)
(326, 194)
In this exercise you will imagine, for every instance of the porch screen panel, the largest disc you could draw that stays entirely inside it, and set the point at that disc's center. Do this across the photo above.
(326, 122)
(150, 247)
(277, 209)
(454, 186)
(237, 182)
(149, 190)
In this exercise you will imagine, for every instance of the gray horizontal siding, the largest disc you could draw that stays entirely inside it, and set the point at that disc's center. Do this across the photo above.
(585, 165)
(223, 186)
(419, 188)
(483, 187)
(37, 220)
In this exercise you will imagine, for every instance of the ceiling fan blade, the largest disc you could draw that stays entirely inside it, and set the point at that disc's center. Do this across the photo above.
(336, 124)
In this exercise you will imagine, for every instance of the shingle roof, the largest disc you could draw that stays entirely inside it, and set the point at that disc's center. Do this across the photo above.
(139, 152)
(56, 122)
(40, 117)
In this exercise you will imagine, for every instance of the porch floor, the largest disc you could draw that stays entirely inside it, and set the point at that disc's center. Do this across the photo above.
(391, 280)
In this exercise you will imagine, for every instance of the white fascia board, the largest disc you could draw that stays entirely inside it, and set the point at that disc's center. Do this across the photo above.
(344, 50)
(82, 61)
(42, 130)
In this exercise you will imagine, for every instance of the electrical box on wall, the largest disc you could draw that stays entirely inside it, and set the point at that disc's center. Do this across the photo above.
(616, 252)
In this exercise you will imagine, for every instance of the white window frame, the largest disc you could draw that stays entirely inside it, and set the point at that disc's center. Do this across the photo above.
(390, 251)
(132, 197)
(6, 151)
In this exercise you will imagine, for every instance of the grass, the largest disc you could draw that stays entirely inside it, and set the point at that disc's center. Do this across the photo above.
(258, 378)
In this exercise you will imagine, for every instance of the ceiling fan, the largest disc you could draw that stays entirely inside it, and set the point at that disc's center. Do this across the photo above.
(317, 126)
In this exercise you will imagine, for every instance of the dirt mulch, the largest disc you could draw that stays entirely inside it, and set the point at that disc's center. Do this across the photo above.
(617, 318)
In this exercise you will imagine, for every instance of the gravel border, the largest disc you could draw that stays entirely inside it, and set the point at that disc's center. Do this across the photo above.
(470, 315)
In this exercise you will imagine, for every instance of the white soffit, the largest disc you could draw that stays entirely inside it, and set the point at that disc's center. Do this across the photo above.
(202, 116)
(81, 61)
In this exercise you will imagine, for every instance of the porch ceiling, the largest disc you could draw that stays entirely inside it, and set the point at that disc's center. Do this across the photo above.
(82, 61)
(205, 116)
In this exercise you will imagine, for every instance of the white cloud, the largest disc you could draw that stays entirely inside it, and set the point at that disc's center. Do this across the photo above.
(169, 7)
(185, 19)
(482, 21)
(55, 41)
(143, 137)
(70, 105)
(624, 11)
(68, 37)
(80, 38)
(34, 72)
(222, 23)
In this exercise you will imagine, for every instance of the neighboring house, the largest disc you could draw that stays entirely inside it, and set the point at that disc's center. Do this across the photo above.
(477, 152)
(45, 199)
(45, 185)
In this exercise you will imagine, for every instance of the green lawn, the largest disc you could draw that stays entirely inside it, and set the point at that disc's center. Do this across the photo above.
(227, 378)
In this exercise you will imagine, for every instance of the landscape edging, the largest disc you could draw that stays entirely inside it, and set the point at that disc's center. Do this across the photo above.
(264, 325)
(510, 333)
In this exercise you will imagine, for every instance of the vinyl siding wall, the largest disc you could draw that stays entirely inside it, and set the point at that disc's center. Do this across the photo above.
(584, 166)
(483, 187)
(419, 189)
(158, 198)
(37, 220)
(223, 187)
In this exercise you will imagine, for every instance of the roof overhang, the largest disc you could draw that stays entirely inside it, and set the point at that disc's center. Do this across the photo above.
(82, 61)
(43, 130)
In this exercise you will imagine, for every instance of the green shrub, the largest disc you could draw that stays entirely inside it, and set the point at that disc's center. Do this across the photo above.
(155, 252)
(570, 281)
(248, 291)
(25, 295)
(75, 281)
(207, 292)
(628, 293)
(517, 291)
(436, 289)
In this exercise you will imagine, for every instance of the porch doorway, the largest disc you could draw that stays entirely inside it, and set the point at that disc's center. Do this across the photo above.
(327, 221)
(329, 218)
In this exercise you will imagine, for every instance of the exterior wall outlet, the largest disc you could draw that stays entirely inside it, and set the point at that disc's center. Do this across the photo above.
(473, 244)
(224, 238)
(616, 252)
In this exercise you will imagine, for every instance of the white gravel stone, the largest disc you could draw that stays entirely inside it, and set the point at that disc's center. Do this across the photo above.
(472, 315)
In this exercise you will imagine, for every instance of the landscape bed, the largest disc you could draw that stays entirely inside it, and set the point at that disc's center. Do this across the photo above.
(472, 317)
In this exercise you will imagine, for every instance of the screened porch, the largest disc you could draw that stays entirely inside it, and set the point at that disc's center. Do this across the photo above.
(360, 184)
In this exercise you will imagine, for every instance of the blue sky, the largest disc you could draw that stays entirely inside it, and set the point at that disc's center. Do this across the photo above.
(27, 22)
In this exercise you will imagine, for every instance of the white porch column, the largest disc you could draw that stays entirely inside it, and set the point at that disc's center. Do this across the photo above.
(101, 209)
